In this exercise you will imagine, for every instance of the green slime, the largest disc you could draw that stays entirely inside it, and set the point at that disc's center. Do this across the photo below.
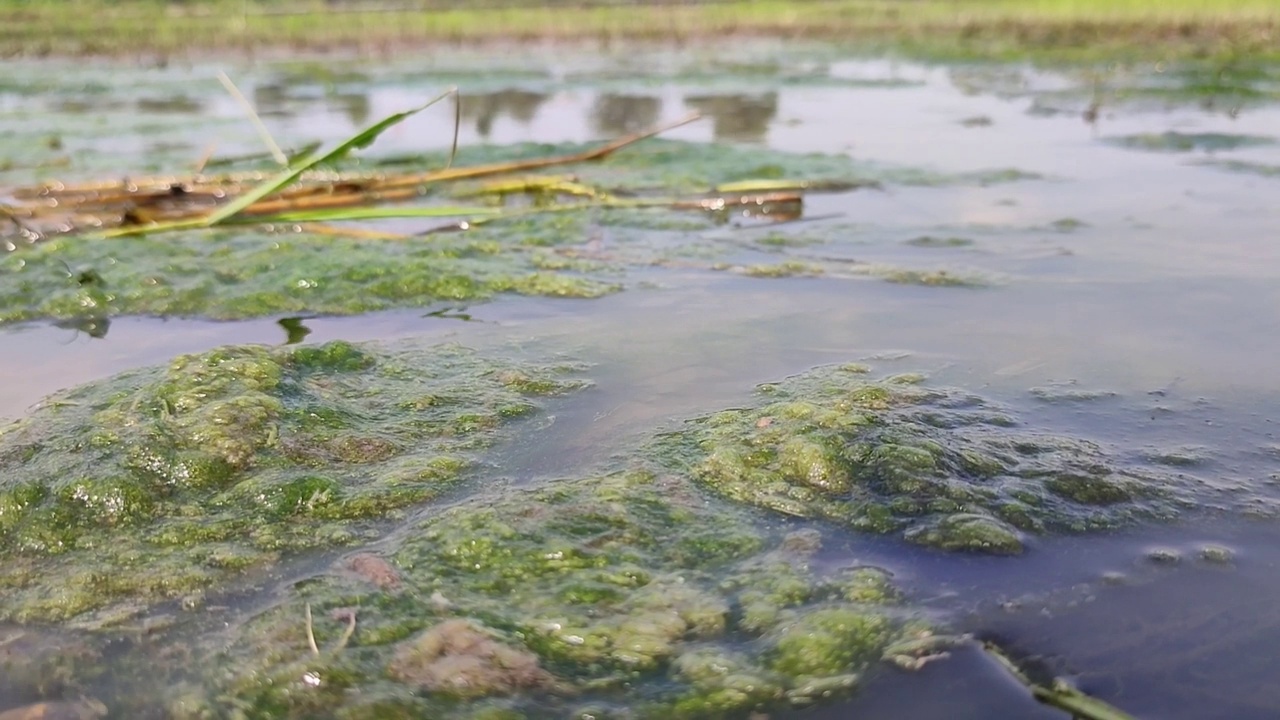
(624, 595)
(676, 586)
(249, 272)
(162, 483)
(941, 467)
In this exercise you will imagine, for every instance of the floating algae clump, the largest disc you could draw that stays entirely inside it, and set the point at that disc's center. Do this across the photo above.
(163, 482)
(967, 532)
(940, 466)
(1187, 142)
(828, 642)
(253, 274)
(287, 268)
(625, 593)
(459, 658)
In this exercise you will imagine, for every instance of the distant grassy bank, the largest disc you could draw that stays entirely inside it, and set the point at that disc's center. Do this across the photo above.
(1062, 29)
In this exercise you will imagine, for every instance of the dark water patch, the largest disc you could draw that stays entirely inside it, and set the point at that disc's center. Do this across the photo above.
(295, 329)
(1181, 639)
(966, 685)
(484, 109)
(737, 118)
(1187, 639)
(619, 113)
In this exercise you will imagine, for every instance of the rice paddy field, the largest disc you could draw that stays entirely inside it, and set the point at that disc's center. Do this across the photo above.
(798, 360)
(1091, 29)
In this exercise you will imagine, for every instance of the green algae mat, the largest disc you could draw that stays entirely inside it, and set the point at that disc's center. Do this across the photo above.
(943, 468)
(662, 201)
(680, 582)
(161, 484)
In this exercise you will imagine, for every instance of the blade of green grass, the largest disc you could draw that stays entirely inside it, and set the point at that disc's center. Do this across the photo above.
(126, 230)
(360, 140)
(1080, 705)
(474, 214)
(1058, 694)
(373, 213)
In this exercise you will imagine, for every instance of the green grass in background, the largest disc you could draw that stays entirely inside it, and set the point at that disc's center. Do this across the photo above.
(1055, 29)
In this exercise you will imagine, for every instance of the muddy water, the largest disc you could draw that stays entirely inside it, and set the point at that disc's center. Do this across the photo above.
(1133, 298)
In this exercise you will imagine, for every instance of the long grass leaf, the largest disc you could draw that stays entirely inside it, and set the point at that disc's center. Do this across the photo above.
(375, 213)
(1058, 694)
(127, 230)
(275, 184)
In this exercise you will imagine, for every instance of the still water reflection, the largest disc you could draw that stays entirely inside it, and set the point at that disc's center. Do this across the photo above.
(485, 108)
(618, 114)
(740, 118)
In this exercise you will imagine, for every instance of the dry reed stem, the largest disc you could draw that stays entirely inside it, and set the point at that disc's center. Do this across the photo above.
(146, 200)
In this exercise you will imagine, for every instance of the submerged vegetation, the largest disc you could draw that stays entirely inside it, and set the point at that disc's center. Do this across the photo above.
(942, 468)
(627, 595)
(161, 490)
(991, 28)
(672, 586)
(164, 484)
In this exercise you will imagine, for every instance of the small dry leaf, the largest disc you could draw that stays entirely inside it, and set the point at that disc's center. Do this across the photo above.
(375, 570)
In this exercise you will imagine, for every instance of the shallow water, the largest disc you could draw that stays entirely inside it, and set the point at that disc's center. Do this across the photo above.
(1132, 300)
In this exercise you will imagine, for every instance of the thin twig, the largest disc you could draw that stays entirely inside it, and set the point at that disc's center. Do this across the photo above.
(599, 153)
(346, 634)
(311, 633)
(206, 157)
(405, 187)
(457, 123)
(145, 205)
(276, 152)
